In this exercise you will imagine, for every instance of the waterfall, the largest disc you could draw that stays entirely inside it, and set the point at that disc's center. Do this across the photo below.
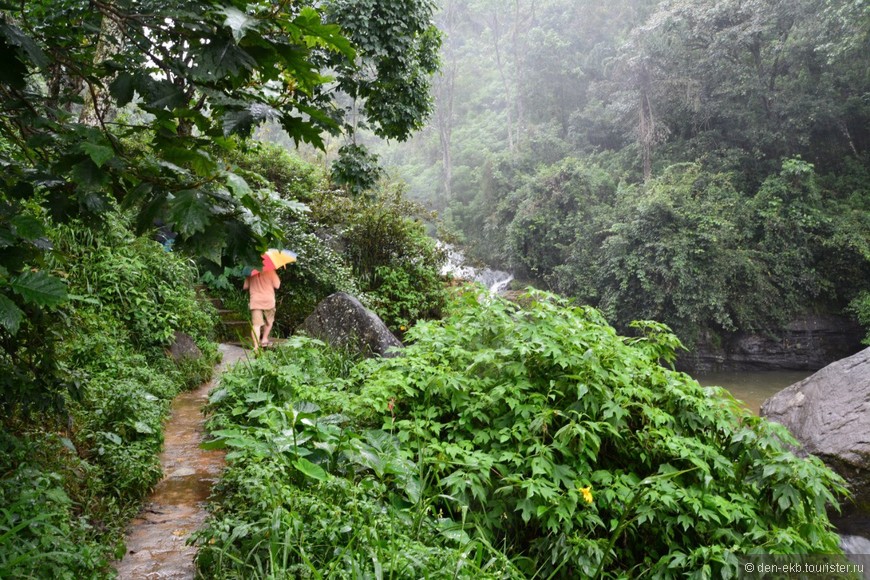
(495, 280)
(855, 545)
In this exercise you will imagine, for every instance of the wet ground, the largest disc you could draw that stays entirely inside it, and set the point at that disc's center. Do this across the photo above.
(156, 539)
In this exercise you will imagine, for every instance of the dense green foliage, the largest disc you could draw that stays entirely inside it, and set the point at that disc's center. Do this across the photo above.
(373, 246)
(126, 114)
(75, 471)
(560, 127)
(386, 245)
(137, 104)
(504, 442)
(703, 163)
(861, 307)
(308, 493)
(688, 247)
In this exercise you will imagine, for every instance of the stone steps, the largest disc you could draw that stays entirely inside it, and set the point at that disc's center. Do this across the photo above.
(234, 327)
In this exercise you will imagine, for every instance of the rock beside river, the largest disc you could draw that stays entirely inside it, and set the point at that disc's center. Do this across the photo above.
(807, 343)
(829, 414)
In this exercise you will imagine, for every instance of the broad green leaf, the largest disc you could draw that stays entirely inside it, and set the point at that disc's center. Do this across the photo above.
(189, 212)
(238, 185)
(199, 160)
(325, 35)
(238, 22)
(242, 121)
(123, 88)
(99, 154)
(113, 437)
(257, 397)
(218, 395)
(16, 37)
(39, 288)
(10, 315)
(7, 237)
(28, 227)
(143, 428)
(13, 72)
(311, 470)
(213, 444)
(224, 62)
(160, 94)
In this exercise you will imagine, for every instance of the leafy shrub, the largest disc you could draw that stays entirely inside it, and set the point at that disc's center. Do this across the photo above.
(41, 533)
(536, 440)
(407, 294)
(273, 167)
(555, 215)
(697, 248)
(151, 291)
(319, 271)
(679, 252)
(307, 495)
(67, 499)
(396, 263)
(30, 295)
(574, 449)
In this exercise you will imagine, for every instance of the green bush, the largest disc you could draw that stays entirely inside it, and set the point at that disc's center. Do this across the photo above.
(150, 291)
(679, 251)
(571, 447)
(319, 271)
(306, 494)
(693, 246)
(42, 531)
(860, 307)
(504, 442)
(270, 166)
(396, 263)
(65, 499)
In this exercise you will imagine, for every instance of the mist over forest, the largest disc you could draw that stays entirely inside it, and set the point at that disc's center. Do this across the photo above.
(704, 163)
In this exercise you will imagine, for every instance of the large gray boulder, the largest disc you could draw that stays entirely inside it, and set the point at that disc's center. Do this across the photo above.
(342, 321)
(829, 413)
(183, 347)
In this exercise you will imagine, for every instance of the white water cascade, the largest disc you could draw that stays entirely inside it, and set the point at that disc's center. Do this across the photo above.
(496, 280)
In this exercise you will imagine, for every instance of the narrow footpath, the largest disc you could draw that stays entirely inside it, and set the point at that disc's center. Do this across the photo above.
(156, 547)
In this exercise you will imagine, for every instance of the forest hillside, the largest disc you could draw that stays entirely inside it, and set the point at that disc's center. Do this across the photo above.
(705, 164)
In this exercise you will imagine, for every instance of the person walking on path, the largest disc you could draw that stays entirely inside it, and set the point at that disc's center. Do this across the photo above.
(262, 288)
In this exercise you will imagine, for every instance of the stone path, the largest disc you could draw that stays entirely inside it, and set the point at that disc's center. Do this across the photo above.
(156, 547)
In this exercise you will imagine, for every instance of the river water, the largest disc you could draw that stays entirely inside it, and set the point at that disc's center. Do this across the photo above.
(752, 388)
(458, 268)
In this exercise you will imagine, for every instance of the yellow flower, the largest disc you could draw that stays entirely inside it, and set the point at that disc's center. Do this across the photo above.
(587, 493)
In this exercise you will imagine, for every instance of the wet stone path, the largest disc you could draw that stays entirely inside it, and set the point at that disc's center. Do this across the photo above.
(156, 538)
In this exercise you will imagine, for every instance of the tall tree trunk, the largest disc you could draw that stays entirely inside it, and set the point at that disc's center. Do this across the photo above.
(444, 95)
(97, 108)
(646, 123)
(506, 86)
(521, 23)
(444, 117)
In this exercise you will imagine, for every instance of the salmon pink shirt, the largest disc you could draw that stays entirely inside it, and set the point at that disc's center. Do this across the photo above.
(262, 287)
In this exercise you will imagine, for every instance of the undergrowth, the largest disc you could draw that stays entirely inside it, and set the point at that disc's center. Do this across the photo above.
(529, 442)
